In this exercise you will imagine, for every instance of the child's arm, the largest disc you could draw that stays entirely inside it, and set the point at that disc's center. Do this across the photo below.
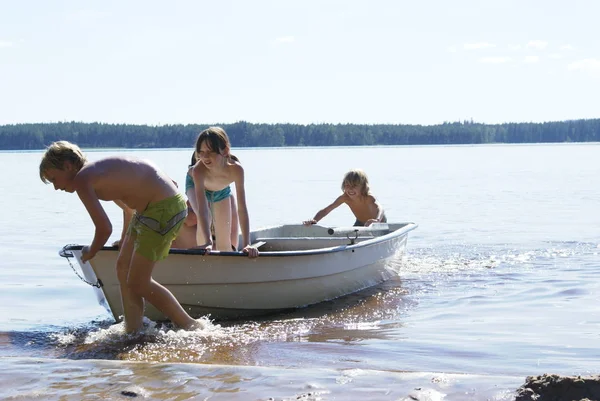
(127, 216)
(99, 217)
(203, 237)
(379, 213)
(244, 219)
(326, 210)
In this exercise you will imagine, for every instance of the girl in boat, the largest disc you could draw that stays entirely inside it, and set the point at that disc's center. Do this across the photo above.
(208, 189)
(357, 195)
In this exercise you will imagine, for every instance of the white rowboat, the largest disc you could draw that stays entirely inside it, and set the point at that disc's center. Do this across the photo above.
(298, 266)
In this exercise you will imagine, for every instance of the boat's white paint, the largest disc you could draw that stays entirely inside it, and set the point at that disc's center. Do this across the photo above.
(298, 266)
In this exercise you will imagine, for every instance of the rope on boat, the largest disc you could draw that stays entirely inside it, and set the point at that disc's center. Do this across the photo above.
(67, 255)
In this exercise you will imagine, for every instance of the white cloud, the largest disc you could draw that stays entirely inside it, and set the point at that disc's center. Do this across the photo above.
(515, 47)
(555, 55)
(588, 65)
(537, 44)
(531, 59)
(6, 43)
(451, 49)
(478, 45)
(494, 60)
(285, 39)
(566, 47)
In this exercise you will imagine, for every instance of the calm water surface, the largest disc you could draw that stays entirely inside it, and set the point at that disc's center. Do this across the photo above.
(500, 281)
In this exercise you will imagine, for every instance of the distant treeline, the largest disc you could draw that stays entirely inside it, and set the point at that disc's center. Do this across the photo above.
(244, 134)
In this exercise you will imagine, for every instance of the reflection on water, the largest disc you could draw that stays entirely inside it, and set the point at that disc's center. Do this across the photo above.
(109, 380)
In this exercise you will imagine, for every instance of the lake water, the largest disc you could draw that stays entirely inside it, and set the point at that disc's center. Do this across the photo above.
(501, 280)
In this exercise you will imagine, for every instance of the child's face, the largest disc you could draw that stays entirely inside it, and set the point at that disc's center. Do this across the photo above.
(209, 157)
(61, 179)
(351, 190)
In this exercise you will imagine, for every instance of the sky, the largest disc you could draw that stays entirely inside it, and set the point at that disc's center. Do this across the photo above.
(299, 61)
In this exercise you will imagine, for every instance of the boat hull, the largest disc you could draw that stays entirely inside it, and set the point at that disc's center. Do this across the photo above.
(228, 285)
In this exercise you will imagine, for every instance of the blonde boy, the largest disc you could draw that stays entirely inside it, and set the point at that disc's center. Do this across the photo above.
(357, 195)
(153, 213)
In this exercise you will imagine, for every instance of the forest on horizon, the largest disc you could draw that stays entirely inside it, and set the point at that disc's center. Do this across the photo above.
(244, 134)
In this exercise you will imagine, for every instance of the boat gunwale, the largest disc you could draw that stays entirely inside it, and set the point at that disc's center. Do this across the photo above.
(317, 251)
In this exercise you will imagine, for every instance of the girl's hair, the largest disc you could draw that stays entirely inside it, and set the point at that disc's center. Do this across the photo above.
(57, 153)
(217, 140)
(357, 178)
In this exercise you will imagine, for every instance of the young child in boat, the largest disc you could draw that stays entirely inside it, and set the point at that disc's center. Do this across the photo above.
(209, 192)
(153, 212)
(357, 195)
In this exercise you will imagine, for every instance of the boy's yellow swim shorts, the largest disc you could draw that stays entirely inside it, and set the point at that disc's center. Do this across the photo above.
(157, 226)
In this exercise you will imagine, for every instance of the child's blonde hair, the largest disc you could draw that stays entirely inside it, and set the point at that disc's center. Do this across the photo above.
(357, 178)
(57, 154)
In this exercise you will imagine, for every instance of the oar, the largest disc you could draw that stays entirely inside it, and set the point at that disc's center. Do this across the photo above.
(351, 230)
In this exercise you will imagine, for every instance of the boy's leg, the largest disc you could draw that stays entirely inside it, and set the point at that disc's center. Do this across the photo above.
(235, 224)
(133, 305)
(222, 222)
(150, 246)
(141, 283)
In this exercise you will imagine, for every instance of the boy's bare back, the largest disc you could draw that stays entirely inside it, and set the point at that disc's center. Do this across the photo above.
(364, 208)
(134, 182)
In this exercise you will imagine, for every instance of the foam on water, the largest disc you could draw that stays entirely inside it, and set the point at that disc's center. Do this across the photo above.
(116, 333)
(461, 258)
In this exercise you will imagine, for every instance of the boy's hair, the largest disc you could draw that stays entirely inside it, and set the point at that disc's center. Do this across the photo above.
(57, 154)
(357, 178)
(217, 140)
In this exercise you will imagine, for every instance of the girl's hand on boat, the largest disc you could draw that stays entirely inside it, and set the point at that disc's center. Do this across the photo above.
(251, 251)
(207, 248)
(309, 222)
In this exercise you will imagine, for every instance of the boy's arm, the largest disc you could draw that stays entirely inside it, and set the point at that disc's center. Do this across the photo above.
(99, 218)
(326, 210)
(127, 216)
(379, 211)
